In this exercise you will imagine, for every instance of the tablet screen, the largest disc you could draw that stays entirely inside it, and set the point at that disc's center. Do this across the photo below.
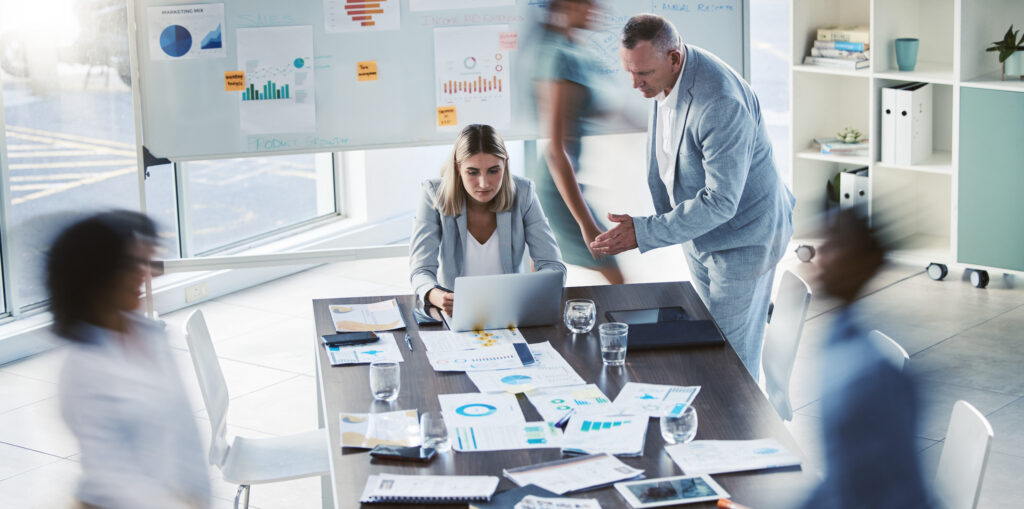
(650, 315)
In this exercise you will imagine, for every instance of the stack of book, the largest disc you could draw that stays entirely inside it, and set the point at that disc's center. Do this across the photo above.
(837, 147)
(841, 46)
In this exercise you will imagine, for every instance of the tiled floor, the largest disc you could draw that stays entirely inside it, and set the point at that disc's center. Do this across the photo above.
(964, 343)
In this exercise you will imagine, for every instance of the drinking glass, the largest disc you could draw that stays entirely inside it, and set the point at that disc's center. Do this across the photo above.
(385, 380)
(580, 315)
(613, 343)
(680, 430)
(433, 432)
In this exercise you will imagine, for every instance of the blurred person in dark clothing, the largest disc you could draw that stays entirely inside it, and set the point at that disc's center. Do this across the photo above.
(869, 405)
(120, 392)
(564, 79)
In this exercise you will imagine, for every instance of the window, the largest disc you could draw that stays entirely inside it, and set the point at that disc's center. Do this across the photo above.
(769, 72)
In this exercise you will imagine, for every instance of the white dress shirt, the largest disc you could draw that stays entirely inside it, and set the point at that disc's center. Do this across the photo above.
(482, 259)
(665, 139)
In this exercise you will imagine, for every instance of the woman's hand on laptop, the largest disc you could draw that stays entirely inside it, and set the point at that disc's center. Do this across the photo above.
(442, 299)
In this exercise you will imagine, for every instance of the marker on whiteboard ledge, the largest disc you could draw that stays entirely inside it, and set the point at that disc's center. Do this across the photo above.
(725, 503)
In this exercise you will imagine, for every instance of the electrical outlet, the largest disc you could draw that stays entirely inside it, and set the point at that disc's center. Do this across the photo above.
(196, 292)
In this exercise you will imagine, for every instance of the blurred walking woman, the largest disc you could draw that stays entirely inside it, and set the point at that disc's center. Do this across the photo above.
(476, 220)
(564, 84)
(120, 392)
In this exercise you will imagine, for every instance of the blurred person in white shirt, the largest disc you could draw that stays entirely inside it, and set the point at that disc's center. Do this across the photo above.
(120, 391)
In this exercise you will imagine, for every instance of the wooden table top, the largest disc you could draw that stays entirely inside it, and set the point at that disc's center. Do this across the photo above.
(729, 407)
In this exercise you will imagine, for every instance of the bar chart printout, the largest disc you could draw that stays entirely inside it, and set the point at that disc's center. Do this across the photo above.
(472, 74)
(361, 15)
(279, 89)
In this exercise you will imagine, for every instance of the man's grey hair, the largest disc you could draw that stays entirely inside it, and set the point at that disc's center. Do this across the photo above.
(662, 35)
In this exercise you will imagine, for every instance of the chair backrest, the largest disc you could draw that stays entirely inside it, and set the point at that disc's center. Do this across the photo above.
(890, 349)
(964, 455)
(211, 383)
(782, 337)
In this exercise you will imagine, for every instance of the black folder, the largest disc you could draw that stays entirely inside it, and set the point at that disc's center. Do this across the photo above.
(673, 334)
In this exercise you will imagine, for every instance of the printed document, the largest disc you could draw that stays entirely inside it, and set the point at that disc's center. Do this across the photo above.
(574, 474)
(367, 431)
(622, 435)
(440, 341)
(367, 317)
(655, 400)
(480, 409)
(531, 435)
(720, 456)
(553, 403)
(385, 349)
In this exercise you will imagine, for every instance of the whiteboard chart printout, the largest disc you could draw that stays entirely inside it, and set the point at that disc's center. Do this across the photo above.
(480, 409)
(471, 74)
(177, 32)
(505, 437)
(383, 315)
(441, 341)
(447, 5)
(279, 95)
(721, 456)
(361, 15)
(655, 400)
(553, 403)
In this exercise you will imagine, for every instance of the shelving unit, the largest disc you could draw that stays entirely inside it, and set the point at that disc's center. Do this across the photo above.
(918, 205)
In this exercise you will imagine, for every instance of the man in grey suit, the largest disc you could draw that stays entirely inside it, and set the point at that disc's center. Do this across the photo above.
(712, 178)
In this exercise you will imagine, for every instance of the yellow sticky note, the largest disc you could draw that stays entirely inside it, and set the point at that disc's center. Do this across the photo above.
(446, 116)
(234, 81)
(367, 71)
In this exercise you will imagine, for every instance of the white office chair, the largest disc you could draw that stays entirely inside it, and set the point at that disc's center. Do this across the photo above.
(890, 349)
(963, 460)
(248, 461)
(781, 339)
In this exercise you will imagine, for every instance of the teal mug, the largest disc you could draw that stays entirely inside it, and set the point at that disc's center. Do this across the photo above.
(906, 53)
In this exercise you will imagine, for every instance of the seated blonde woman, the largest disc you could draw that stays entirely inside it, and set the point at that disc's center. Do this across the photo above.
(477, 220)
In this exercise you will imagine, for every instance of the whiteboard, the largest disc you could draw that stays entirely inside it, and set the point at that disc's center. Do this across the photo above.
(186, 112)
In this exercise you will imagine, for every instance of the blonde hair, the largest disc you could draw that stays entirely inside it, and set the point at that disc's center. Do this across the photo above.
(474, 139)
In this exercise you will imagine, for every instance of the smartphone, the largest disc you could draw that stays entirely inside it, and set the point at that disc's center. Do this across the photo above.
(394, 452)
(650, 315)
(349, 338)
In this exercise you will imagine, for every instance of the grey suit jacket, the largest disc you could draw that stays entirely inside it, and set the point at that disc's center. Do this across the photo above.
(730, 200)
(438, 242)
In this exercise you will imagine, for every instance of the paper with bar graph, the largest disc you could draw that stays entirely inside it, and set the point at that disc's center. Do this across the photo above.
(655, 400)
(472, 74)
(554, 402)
(621, 435)
(279, 95)
(531, 435)
(361, 15)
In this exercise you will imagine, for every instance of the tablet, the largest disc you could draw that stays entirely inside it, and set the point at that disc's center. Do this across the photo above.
(670, 491)
(649, 315)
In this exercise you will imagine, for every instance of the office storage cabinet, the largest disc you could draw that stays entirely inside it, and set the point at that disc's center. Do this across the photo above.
(959, 204)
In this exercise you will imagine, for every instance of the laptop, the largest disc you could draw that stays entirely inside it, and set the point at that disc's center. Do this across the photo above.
(506, 300)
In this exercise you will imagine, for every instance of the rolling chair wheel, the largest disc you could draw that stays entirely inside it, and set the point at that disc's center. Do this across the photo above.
(937, 271)
(979, 278)
(805, 253)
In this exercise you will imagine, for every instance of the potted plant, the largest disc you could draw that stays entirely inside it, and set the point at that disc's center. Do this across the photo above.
(1012, 60)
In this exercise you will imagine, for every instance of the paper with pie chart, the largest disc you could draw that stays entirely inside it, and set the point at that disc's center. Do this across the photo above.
(442, 341)
(554, 402)
(655, 400)
(471, 73)
(386, 349)
(376, 316)
(549, 370)
(280, 92)
(478, 409)
(179, 32)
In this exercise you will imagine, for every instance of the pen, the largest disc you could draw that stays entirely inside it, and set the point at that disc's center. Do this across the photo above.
(408, 342)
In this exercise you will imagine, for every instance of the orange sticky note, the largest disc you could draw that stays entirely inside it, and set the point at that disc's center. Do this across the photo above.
(234, 81)
(508, 40)
(446, 116)
(367, 71)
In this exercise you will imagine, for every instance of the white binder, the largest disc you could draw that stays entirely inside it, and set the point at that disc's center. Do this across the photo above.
(913, 123)
(888, 123)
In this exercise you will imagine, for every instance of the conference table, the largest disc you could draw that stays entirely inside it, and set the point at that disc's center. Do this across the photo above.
(730, 405)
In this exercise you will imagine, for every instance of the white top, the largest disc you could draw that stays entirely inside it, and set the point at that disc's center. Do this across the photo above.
(134, 424)
(666, 120)
(482, 259)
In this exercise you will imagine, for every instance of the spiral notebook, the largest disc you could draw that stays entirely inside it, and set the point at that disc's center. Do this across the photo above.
(422, 489)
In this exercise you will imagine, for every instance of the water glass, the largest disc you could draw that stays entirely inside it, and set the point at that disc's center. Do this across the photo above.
(385, 380)
(580, 315)
(433, 432)
(613, 343)
(680, 430)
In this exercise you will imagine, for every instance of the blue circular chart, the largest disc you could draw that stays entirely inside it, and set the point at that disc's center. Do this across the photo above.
(516, 379)
(476, 410)
(175, 40)
(299, 63)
